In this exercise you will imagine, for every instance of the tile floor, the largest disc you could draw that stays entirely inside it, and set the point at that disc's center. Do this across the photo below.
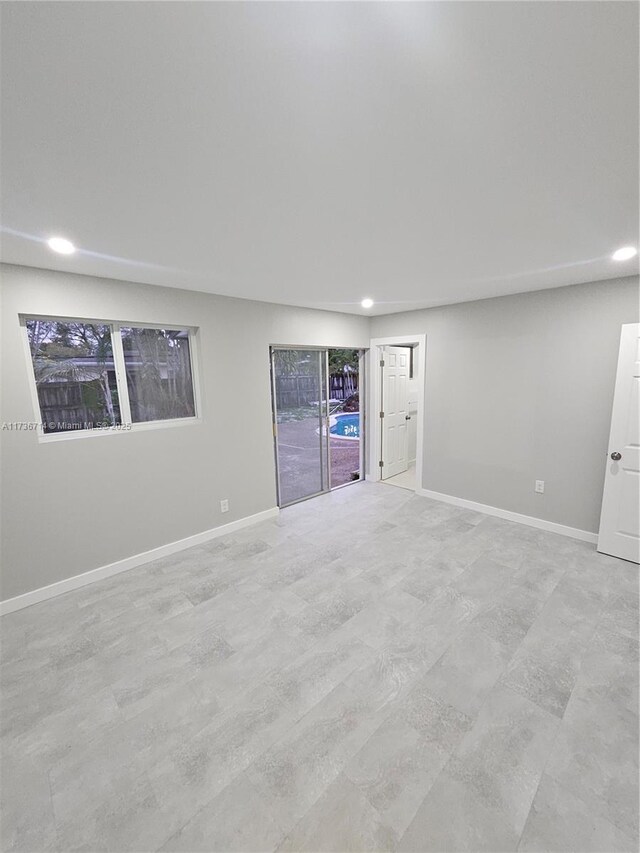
(406, 480)
(371, 671)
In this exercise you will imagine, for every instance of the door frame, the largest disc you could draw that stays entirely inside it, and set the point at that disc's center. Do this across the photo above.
(374, 431)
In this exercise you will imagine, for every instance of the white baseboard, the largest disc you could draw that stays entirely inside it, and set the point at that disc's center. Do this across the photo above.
(43, 593)
(531, 521)
(10, 605)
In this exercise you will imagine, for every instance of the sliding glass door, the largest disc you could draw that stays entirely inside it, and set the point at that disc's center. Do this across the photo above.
(300, 397)
(316, 420)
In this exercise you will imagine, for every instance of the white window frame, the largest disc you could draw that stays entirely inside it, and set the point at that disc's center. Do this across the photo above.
(125, 426)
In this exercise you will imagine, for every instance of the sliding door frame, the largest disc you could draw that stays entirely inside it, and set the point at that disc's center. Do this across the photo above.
(324, 436)
(323, 420)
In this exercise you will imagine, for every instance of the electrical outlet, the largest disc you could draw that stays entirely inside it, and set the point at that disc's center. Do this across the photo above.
(539, 487)
(224, 505)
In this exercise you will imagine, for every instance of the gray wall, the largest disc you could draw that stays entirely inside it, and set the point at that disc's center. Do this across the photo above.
(519, 389)
(71, 506)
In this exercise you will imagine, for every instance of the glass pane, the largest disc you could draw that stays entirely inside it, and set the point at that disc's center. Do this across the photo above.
(75, 374)
(344, 419)
(158, 367)
(299, 387)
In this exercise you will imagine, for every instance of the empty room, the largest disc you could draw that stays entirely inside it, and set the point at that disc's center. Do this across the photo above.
(320, 426)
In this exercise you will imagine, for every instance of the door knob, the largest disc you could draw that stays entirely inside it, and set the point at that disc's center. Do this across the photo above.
(407, 417)
(616, 456)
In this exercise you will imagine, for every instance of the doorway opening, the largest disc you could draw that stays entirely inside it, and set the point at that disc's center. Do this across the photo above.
(318, 420)
(397, 431)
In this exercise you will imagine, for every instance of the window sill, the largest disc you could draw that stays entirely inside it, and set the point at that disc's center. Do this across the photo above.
(73, 435)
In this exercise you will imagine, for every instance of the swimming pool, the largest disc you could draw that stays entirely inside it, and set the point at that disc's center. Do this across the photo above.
(346, 425)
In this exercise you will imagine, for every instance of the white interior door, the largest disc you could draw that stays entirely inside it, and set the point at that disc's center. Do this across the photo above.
(620, 520)
(395, 398)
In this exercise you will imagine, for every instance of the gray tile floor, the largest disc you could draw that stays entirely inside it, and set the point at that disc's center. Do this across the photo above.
(371, 671)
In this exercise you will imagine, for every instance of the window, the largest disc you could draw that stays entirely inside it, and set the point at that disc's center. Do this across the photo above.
(90, 374)
(158, 367)
(75, 375)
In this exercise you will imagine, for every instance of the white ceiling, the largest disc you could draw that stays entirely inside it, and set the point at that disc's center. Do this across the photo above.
(315, 154)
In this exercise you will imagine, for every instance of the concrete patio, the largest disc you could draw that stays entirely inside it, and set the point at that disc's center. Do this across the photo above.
(299, 457)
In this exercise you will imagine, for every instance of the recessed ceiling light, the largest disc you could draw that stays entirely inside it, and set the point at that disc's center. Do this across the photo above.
(367, 303)
(625, 253)
(62, 246)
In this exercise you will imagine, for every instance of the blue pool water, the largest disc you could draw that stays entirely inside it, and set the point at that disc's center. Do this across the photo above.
(347, 425)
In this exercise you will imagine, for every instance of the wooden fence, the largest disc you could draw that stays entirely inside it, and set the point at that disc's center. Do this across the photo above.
(64, 403)
(294, 390)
